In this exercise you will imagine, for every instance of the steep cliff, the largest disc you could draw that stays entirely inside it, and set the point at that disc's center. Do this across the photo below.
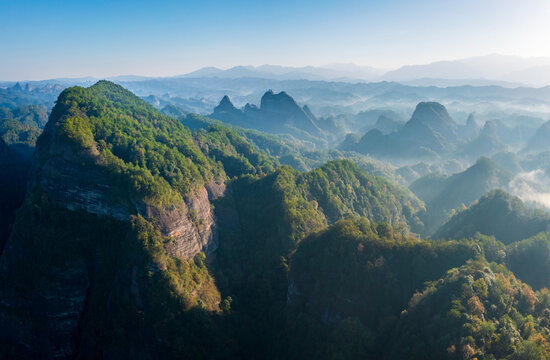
(106, 251)
(99, 176)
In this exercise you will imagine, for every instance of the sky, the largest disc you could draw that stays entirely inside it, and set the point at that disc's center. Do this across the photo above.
(43, 39)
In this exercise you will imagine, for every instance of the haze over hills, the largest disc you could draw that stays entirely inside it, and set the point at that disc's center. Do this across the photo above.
(148, 228)
(289, 180)
(494, 69)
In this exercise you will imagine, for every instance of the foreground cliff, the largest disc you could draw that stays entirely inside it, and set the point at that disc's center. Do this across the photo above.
(117, 211)
(141, 240)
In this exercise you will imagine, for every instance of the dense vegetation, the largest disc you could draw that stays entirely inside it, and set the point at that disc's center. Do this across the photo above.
(323, 263)
(444, 195)
(135, 291)
(499, 214)
(144, 151)
(348, 285)
(477, 311)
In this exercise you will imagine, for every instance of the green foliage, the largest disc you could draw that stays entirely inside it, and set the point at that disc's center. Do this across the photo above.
(496, 213)
(450, 193)
(135, 291)
(530, 260)
(340, 188)
(363, 270)
(472, 312)
(237, 156)
(14, 132)
(23, 124)
(142, 150)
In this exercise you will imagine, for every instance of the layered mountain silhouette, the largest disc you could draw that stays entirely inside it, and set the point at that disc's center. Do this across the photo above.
(278, 113)
(540, 140)
(430, 131)
(499, 214)
(443, 194)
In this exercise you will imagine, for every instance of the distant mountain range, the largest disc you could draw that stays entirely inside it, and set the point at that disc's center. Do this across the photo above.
(507, 71)
(494, 69)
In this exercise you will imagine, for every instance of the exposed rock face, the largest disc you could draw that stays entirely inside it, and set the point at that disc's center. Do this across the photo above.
(76, 184)
(191, 225)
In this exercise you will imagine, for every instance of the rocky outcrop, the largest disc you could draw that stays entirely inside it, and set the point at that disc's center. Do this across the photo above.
(74, 181)
(191, 225)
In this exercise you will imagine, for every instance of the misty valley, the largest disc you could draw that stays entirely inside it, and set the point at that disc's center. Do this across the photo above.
(274, 213)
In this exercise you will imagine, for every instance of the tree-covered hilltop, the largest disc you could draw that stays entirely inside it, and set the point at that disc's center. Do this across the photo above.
(102, 266)
(360, 290)
(479, 310)
(237, 156)
(348, 285)
(264, 221)
(23, 124)
(144, 152)
(145, 236)
(499, 214)
(341, 188)
(443, 194)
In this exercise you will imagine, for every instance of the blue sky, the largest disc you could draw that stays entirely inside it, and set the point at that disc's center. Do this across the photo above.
(44, 39)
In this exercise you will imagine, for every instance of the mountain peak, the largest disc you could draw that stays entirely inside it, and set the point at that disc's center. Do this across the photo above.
(430, 109)
(225, 105)
(270, 101)
(435, 116)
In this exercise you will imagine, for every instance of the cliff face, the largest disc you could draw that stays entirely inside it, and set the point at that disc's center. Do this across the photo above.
(191, 225)
(72, 180)
(89, 253)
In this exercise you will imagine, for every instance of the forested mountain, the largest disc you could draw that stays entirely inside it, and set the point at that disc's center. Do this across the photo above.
(148, 234)
(23, 124)
(429, 133)
(278, 113)
(443, 194)
(499, 214)
(140, 185)
(539, 141)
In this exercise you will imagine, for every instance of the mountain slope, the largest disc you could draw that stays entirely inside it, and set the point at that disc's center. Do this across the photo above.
(111, 233)
(499, 214)
(539, 141)
(429, 133)
(278, 113)
(458, 190)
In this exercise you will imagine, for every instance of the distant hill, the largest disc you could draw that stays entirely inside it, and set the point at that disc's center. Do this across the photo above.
(492, 69)
(278, 113)
(540, 140)
(508, 160)
(341, 72)
(483, 145)
(499, 214)
(429, 133)
(461, 189)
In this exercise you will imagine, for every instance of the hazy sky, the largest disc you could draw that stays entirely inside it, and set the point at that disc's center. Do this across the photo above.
(44, 39)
